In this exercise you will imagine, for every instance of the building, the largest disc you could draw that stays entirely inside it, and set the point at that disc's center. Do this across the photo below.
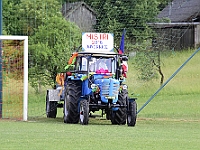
(183, 29)
(81, 14)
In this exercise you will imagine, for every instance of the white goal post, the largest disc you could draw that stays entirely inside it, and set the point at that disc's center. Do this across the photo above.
(25, 94)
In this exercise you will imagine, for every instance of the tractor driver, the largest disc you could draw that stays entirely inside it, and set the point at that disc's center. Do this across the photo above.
(101, 66)
(101, 63)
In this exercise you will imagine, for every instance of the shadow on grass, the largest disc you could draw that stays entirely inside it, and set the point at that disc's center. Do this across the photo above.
(45, 119)
(92, 120)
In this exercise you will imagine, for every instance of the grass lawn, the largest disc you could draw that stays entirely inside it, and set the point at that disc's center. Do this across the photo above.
(99, 134)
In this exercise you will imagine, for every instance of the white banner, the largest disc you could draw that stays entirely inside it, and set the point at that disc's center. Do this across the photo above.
(97, 42)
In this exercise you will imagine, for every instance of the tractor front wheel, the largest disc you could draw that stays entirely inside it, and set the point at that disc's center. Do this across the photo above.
(119, 116)
(84, 112)
(132, 114)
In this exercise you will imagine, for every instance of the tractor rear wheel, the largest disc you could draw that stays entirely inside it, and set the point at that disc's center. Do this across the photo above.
(132, 114)
(84, 112)
(51, 108)
(72, 95)
(119, 116)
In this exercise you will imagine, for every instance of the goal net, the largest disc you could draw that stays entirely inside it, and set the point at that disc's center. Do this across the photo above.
(14, 73)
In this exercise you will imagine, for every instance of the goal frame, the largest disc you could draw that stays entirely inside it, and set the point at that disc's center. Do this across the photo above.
(25, 94)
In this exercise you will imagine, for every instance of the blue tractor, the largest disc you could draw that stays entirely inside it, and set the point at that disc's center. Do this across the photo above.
(94, 83)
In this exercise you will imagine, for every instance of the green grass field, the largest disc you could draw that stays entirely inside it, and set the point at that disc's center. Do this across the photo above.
(51, 134)
(169, 121)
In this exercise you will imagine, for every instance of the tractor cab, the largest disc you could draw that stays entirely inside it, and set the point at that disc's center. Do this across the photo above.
(96, 63)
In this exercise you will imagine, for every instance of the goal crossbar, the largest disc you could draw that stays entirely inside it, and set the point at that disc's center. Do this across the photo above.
(25, 94)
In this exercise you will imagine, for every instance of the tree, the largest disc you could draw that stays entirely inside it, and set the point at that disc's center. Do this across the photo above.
(22, 17)
(108, 22)
(10, 17)
(133, 15)
(163, 3)
(51, 37)
(50, 48)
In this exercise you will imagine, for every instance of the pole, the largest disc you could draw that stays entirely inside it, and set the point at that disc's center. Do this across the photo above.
(25, 99)
(173, 75)
(0, 60)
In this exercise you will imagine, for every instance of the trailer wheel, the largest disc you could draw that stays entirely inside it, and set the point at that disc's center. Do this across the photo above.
(132, 114)
(51, 108)
(119, 116)
(72, 95)
(84, 112)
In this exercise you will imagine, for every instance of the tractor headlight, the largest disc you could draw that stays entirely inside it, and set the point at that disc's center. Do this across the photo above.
(125, 87)
(95, 88)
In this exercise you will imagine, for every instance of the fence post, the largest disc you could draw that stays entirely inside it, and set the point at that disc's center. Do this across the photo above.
(1, 59)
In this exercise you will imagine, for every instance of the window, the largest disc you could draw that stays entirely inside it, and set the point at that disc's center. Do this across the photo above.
(101, 63)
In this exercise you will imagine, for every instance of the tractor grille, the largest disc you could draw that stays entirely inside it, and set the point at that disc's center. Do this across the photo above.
(109, 89)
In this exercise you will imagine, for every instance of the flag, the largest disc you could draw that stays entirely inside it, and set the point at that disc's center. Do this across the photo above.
(121, 48)
(71, 60)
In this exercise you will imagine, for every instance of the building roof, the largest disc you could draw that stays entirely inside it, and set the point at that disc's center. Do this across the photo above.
(174, 24)
(69, 8)
(182, 11)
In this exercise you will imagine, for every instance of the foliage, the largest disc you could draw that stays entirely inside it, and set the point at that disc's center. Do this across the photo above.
(21, 18)
(113, 16)
(51, 37)
(51, 49)
(42, 21)
(163, 3)
(10, 18)
(145, 55)
(36, 13)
